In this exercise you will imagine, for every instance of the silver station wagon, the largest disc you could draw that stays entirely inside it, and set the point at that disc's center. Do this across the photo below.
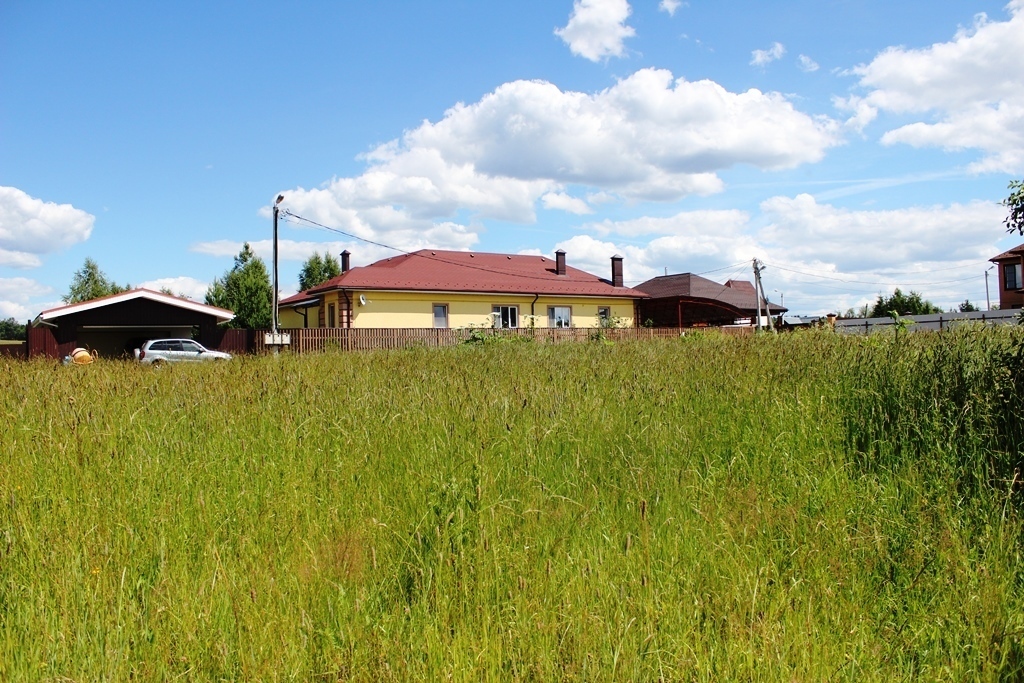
(157, 351)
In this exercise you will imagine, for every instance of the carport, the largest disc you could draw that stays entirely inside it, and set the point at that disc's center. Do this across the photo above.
(115, 325)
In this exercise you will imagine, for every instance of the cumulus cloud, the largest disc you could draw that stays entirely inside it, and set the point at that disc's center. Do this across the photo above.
(30, 227)
(648, 137)
(670, 6)
(969, 91)
(15, 294)
(693, 224)
(564, 202)
(885, 239)
(821, 256)
(806, 64)
(765, 57)
(597, 28)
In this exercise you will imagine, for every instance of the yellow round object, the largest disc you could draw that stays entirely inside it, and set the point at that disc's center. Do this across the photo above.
(81, 357)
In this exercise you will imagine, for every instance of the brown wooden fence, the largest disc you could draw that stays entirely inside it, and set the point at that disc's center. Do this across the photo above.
(366, 339)
(42, 342)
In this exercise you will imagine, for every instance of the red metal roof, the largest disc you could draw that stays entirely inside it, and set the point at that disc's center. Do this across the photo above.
(464, 271)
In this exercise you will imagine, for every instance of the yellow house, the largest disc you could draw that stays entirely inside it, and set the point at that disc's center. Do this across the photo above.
(432, 288)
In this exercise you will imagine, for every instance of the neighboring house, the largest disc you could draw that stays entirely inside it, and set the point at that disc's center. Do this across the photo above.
(1011, 283)
(433, 288)
(688, 300)
(115, 325)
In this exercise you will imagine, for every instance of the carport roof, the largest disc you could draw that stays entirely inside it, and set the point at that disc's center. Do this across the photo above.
(159, 297)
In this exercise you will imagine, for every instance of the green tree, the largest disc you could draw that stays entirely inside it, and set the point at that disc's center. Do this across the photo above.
(1015, 204)
(12, 329)
(903, 304)
(967, 307)
(246, 290)
(317, 270)
(862, 312)
(89, 282)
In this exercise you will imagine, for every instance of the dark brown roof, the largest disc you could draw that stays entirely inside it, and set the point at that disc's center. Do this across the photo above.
(1015, 253)
(464, 271)
(737, 293)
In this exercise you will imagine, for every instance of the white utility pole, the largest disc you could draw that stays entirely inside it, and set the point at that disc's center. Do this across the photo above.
(275, 340)
(988, 301)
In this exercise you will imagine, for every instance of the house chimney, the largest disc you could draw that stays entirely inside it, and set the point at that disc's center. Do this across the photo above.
(617, 271)
(560, 262)
(344, 261)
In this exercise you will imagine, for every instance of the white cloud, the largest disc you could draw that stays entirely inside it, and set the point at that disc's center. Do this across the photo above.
(694, 224)
(30, 227)
(15, 294)
(801, 229)
(19, 259)
(188, 286)
(564, 202)
(597, 28)
(648, 137)
(765, 57)
(971, 90)
(806, 64)
(670, 6)
(820, 256)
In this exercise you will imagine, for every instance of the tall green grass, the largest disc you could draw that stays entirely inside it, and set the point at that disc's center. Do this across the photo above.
(807, 507)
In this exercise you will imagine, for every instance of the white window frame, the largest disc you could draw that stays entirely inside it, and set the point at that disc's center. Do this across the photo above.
(502, 313)
(554, 320)
(433, 310)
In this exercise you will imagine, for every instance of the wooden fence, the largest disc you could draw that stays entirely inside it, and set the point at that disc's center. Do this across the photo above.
(42, 341)
(306, 340)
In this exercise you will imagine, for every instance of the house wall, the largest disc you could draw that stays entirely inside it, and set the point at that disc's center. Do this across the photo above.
(1008, 298)
(292, 318)
(392, 310)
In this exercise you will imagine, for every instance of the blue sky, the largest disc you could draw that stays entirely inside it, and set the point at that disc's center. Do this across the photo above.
(852, 146)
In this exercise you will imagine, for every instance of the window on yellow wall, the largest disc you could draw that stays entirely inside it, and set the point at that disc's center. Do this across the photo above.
(331, 321)
(441, 316)
(506, 316)
(559, 316)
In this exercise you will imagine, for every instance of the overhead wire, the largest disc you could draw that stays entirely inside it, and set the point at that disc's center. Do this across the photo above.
(292, 217)
(288, 214)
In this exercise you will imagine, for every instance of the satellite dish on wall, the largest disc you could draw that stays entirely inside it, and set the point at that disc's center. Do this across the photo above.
(362, 299)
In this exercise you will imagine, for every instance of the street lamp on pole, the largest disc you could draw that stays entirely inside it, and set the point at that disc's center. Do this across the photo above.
(782, 298)
(988, 301)
(273, 324)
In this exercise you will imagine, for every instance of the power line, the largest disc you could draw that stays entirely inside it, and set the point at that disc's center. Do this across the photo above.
(288, 214)
(292, 217)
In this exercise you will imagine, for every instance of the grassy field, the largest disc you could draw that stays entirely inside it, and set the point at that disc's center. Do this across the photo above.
(797, 508)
